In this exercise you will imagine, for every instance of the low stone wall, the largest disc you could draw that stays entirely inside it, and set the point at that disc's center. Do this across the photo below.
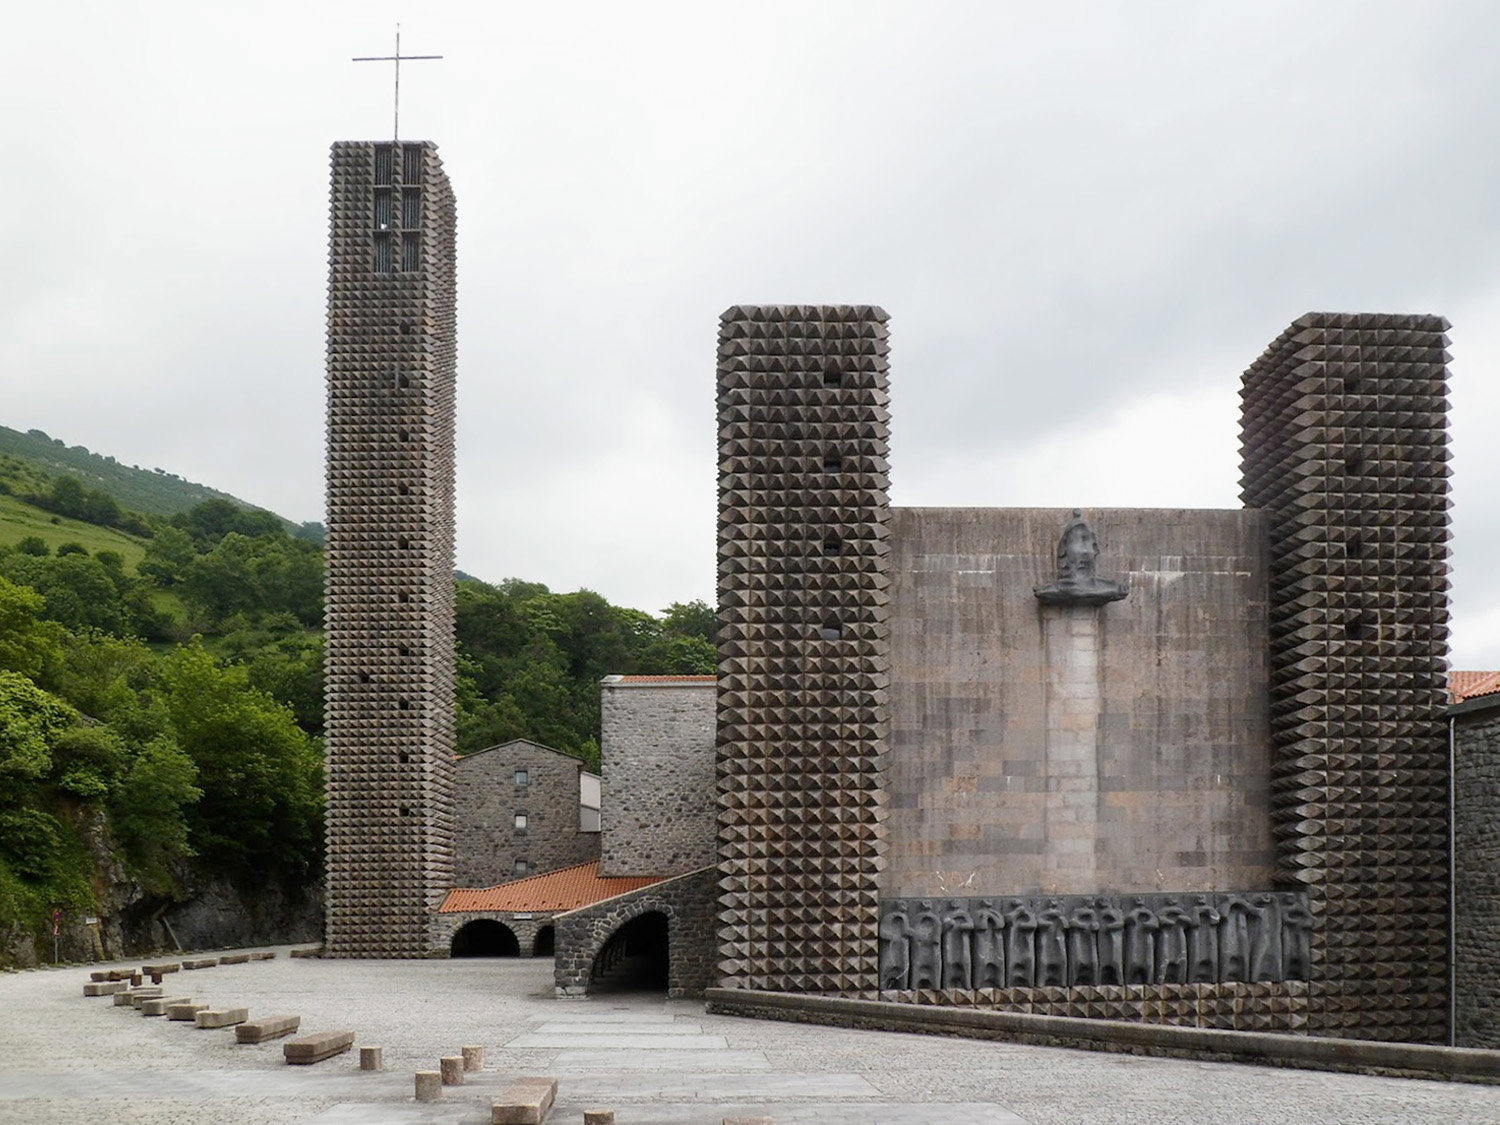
(1356, 1056)
(688, 902)
(1229, 1006)
(1476, 884)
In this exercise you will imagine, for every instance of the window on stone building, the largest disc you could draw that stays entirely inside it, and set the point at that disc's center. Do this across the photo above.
(588, 820)
(523, 778)
(520, 822)
(522, 866)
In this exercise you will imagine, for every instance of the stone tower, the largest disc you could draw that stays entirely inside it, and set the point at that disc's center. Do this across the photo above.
(804, 654)
(389, 662)
(1344, 443)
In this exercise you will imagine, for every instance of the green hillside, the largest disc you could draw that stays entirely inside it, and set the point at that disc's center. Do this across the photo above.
(153, 492)
(19, 520)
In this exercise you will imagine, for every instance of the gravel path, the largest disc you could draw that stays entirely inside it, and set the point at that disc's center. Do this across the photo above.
(64, 1058)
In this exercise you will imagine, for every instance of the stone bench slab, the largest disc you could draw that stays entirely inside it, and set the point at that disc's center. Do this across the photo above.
(221, 1017)
(268, 1027)
(104, 987)
(316, 1048)
(201, 963)
(268, 955)
(159, 1005)
(185, 1011)
(235, 959)
(526, 1101)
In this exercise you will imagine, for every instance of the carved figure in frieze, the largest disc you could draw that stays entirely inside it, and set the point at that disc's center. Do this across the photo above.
(895, 951)
(1203, 942)
(989, 947)
(1020, 943)
(1265, 938)
(927, 948)
(1052, 944)
(1083, 945)
(1111, 942)
(1140, 942)
(1234, 939)
(1172, 943)
(1296, 938)
(958, 928)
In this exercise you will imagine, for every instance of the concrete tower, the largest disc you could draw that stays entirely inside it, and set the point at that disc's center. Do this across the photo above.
(804, 647)
(389, 661)
(1344, 443)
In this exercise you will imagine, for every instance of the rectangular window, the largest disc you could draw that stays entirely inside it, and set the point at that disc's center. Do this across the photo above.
(382, 209)
(411, 251)
(522, 867)
(523, 778)
(384, 262)
(411, 209)
(383, 164)
(588, 820)
(520, 822)
(411, 164)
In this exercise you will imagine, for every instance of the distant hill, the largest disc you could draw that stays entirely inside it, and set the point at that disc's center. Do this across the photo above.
(152, 491)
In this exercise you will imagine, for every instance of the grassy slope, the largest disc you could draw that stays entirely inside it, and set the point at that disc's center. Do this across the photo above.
(140, 490)
(18, 520)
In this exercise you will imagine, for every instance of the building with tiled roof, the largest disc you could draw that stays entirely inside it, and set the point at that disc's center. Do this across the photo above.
(1468, 685)
(521, 808)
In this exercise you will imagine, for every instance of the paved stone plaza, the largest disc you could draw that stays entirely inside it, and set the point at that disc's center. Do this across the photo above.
(64, 1058)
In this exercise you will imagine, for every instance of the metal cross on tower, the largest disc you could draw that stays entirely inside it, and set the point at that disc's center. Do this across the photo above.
(398, 58)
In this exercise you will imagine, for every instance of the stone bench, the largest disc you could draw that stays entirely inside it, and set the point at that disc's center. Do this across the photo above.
(267, 1027)
(235, 959)
(269, 955)
(221, 1017)
(132, 997)
(156, 972)
(315, 951)
(200, 963)
(316, 1048)
(104, 987)
(526, 1101)
(158, 1006)
(185, 1011)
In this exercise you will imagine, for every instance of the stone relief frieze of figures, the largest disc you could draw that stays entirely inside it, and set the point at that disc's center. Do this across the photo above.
(1041, 940)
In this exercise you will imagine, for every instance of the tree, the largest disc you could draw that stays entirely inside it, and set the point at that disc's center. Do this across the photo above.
(261, 775)
(30, 721)
(168, 556)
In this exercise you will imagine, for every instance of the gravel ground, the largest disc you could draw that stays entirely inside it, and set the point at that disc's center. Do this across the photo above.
(64, 1058)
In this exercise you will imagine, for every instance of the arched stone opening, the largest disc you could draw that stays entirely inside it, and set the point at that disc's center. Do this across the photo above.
(635, 958)
(484, 937)
(545, 943)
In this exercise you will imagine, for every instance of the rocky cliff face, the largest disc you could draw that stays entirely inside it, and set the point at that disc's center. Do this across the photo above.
(131, 921)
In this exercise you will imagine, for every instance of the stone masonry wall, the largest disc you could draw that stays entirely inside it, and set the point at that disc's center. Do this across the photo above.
(487, 842)
(658, 765)
(1476, 885)
(1077, 749)
(688, 903)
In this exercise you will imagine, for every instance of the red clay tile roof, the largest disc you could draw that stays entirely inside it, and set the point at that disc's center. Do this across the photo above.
(1466, 685)
(567, 889)
(663, 679)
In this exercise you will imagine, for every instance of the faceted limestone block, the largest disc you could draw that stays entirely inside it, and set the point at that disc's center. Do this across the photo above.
(525, 1102)
(220, 1017)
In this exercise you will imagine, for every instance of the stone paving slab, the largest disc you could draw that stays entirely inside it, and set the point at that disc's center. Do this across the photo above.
(574, 1027)
(561, 1039)
(601, 1088)
(720, 1061)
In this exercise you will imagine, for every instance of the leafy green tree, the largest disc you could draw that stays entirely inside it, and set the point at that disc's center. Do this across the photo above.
(168, 556)
(149, 812)
(260, 773)
(27, 645)
(30, 722)
(33, 545)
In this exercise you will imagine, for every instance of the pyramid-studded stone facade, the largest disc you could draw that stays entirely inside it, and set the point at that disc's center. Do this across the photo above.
(804, 587)
(389, 661)
(1344, 444)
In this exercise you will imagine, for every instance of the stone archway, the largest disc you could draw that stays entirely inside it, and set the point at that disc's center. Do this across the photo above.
(484, 937)
(546, 941)
(636, 958)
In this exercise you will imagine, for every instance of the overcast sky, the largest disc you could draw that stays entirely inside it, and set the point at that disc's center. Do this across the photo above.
(1084, 220)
